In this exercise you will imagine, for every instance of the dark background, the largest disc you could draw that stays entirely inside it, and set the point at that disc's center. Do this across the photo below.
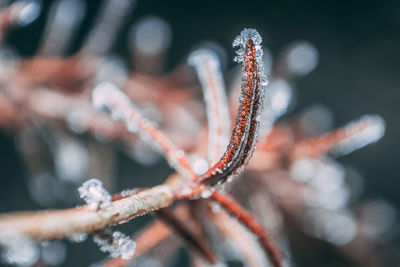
(358, 72)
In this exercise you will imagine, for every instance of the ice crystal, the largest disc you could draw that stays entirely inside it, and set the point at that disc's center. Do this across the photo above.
(241, 42)
(128, 192)
(115, 243)
(94, 194)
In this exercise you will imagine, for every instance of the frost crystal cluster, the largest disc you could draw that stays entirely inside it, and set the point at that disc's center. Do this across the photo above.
(115, 243)
(241, 42)
(94, 194)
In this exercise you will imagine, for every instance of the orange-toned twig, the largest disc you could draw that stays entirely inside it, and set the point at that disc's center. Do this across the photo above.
(244, 134)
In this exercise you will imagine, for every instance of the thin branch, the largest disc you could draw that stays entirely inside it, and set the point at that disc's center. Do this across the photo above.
(245, 131)
(52, 224)
(109, 96)
(268, 245)
(207, 66)
(368, 129)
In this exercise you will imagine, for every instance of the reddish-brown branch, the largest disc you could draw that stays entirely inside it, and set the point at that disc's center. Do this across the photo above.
(266, 242)
(245, 129)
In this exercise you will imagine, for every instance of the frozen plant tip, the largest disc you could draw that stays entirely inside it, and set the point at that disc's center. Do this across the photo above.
(241, 42)
(245, 132)
(94, 194)
(115, 243)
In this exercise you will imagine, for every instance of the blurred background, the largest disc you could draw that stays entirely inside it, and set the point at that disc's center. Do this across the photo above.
(357, 73)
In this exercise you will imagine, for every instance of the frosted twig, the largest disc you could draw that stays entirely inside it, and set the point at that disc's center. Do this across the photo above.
(51, 224)
(108, 96)
(268, 245)
(207, 66)
(244, 135)
(366, 130)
